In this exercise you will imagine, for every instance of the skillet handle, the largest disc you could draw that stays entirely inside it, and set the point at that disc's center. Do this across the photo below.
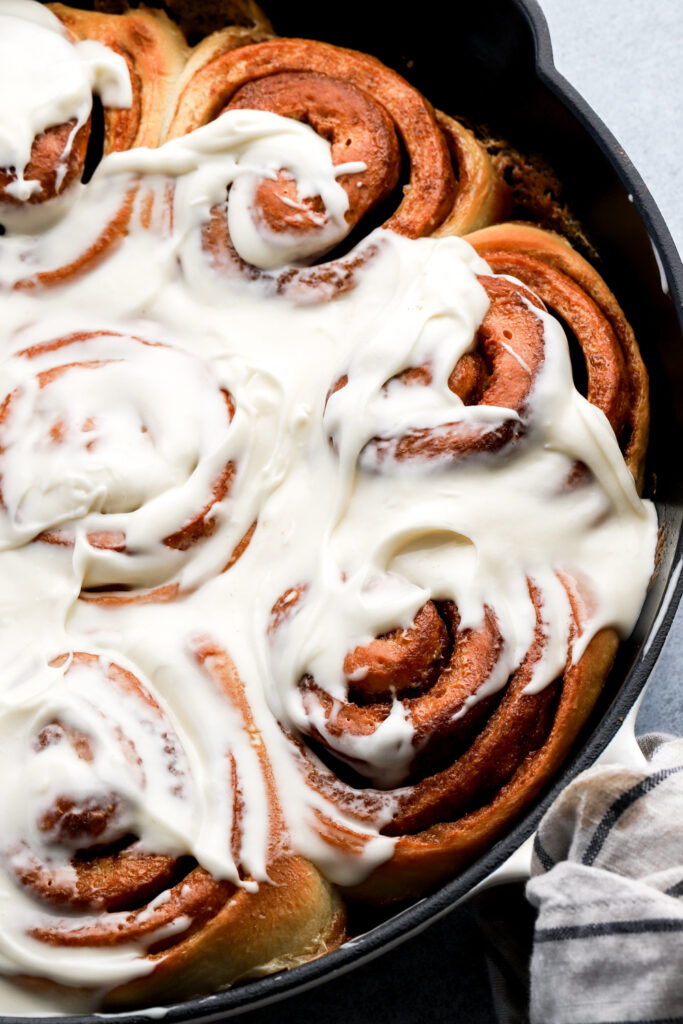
(623, 749)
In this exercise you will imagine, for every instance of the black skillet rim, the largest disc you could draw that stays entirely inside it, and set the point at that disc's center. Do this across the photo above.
(420, 915)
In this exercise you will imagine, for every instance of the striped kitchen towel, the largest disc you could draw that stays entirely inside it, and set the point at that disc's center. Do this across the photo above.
(607, 879)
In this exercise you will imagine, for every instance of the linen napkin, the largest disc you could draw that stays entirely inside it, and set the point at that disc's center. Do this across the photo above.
(607, 880)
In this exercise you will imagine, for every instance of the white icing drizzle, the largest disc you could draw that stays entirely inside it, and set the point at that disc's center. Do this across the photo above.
(78, 695)
(51, 82)
(239, 151)
(92, 451)
(371, 544)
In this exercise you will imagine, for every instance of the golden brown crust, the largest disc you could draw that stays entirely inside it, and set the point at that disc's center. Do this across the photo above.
(363, 108)
(210, 49)
(482, 196)
(155, 51)
(293, 918)
(475, 768)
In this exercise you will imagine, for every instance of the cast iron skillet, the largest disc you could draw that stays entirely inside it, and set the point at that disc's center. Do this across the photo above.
(494, 66)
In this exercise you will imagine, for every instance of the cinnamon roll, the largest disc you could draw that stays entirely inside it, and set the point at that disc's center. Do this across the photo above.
(98, 830)
(458, 719)
(319, 506)
(55, 65)
(367, 113)
(617, 378)
(122, 451)
(501, 371)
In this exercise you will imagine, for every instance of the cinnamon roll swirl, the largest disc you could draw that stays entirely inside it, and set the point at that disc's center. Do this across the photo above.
(99, 834)
(367, 113)
(471, 743)
(121, 450)
(573, 289)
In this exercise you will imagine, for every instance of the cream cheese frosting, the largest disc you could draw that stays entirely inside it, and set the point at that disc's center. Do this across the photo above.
(51, 81)
(158, 338)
